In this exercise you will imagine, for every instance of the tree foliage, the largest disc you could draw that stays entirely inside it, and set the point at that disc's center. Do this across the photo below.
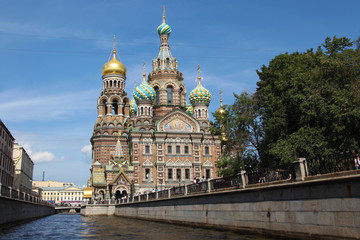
(242, 126)
(311, 102)
(306, 105)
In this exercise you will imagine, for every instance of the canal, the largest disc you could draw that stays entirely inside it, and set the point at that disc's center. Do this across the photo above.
(75, 226)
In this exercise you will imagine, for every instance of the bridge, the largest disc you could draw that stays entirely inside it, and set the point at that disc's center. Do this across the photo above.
(67, 209)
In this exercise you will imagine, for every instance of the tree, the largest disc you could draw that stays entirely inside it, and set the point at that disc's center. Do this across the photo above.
(310, 102)
(241, 123)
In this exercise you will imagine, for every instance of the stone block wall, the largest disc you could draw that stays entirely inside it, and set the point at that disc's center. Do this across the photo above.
(98, 210)
(321, 209)
(12, 210)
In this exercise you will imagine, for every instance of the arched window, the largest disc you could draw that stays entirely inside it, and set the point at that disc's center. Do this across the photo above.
(115, 107)
(169, 94)
(199, 112)
(157, 97)
(110, 83)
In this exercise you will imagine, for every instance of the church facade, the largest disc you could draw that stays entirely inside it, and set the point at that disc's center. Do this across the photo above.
(155, 140)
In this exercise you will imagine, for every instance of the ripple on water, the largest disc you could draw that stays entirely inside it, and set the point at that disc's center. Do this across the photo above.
(74, 226)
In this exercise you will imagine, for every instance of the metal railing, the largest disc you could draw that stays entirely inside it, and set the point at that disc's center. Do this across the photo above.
(177, 191)
(285, 174)
(330, 163)
(270, 175)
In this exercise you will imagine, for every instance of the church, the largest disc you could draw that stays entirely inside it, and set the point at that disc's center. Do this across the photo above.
(157, 139)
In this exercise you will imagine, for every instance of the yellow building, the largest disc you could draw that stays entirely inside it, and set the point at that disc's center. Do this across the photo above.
(63, 195)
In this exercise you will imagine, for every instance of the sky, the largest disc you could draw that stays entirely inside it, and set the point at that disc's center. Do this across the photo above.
(52, 52)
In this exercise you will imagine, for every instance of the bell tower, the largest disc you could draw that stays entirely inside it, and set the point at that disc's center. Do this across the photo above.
(165, 78)
(112, 107)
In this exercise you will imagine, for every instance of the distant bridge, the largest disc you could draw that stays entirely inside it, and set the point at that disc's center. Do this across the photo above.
(67, 209)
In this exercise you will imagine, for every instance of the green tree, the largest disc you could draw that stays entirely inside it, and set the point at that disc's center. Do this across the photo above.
(241, 123)
(310, 102)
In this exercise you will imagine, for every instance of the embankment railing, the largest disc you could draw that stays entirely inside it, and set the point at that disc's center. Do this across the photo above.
(12, 193)
(298, 171)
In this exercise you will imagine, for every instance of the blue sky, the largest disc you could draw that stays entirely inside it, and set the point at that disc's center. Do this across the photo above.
(52, 52)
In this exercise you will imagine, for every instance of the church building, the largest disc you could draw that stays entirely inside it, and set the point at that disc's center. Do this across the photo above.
(157, 139)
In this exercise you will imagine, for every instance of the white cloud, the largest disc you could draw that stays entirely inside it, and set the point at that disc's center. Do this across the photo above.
(87, 150)
(43, 157)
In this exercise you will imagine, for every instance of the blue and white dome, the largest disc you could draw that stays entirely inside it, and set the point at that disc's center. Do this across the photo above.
(189, 109)
(144, 92)
(164, 29)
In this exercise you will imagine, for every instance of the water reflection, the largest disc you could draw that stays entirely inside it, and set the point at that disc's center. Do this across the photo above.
(65, 226)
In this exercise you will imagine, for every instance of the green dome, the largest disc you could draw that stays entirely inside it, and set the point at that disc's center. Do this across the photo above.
(200, 95)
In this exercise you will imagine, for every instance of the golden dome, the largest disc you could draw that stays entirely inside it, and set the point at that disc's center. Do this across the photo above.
(221, 110)
(223, 137)
(114, 67)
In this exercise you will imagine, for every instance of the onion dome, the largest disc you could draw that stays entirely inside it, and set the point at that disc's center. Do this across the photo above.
(114, 66)
(189, 109)
(164, 28)
(200, 94)
(144, 91)
(223, 137)
(133, 106)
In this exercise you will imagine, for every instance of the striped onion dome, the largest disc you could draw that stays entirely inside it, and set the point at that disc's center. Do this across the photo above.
(144, 92)
(133, 106)
(189, 109)
(164, 29)
(200, 95)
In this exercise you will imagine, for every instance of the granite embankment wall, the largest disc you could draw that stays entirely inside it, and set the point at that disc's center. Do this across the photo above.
(13, 210)
(98, 210)
(319, 208)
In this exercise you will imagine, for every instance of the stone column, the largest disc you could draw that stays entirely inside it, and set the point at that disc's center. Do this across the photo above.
(107, 195)
(109, 108)
(208, 186)
(244, 178)
(301, 169)
(120, 109)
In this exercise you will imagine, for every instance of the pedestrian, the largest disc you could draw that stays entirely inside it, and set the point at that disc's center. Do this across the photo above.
(357, 162)
(194, 179)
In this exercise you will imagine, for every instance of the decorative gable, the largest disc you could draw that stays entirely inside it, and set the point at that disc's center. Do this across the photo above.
(178, 121)
(170, 163)
(208, 164)
(147, 163)
(121, 179)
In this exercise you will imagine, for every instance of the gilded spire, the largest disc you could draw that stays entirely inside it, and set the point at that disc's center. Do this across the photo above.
(164, 14)
(220, 98)
(198, 69)
(144, 74)
(113, 66)
(114, 47)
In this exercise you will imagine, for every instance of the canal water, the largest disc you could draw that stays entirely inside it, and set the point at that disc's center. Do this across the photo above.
(75, 226)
